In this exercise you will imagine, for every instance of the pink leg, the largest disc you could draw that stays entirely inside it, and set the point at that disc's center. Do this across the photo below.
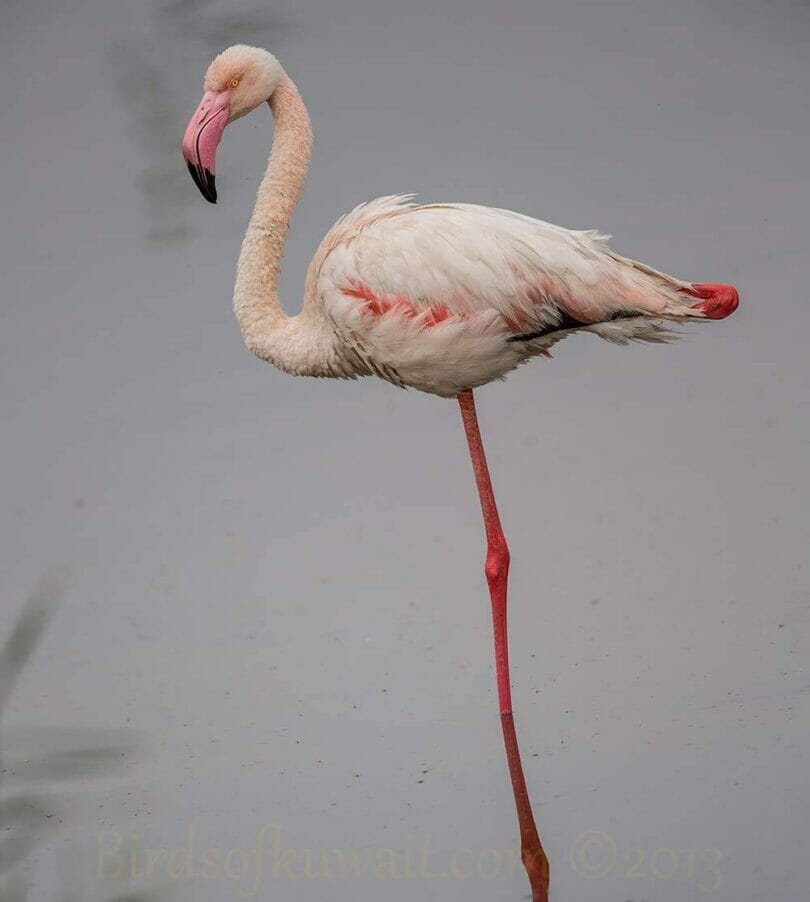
(497, 571)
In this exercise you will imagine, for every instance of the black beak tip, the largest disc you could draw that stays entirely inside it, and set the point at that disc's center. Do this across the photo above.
(205, 180)
(212, 186)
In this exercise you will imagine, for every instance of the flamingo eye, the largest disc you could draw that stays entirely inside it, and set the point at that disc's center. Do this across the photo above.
(233, 83)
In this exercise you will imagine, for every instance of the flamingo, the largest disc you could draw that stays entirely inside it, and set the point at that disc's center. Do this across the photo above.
(441, 297)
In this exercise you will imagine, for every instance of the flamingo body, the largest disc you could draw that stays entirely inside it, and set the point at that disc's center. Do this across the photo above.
(439, 297)
(445, 297)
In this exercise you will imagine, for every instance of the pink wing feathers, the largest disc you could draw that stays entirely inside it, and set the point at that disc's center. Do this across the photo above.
(409, 285)
(462, 259)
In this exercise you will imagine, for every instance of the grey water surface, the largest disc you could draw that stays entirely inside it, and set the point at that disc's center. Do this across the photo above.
(268, 671)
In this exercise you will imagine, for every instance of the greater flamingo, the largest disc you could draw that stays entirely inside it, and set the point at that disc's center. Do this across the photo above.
(438, 297)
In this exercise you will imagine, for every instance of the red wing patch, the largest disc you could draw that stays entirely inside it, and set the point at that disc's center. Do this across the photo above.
(379, 306)
(432, 315)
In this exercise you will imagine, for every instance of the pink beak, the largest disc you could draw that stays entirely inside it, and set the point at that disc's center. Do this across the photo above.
(201, 139)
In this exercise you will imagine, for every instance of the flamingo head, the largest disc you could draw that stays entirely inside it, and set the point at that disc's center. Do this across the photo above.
(237, 81)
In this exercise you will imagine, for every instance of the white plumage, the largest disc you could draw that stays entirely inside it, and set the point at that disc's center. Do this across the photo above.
(437, 296)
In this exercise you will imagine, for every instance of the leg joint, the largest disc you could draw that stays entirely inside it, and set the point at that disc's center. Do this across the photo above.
(496, 567)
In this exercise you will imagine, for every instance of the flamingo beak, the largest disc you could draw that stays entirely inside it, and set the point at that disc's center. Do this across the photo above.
(201, 139)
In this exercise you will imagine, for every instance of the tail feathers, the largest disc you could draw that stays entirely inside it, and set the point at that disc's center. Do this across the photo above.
(637, 328)
(714, 302)
(717, 301)
(628, 324)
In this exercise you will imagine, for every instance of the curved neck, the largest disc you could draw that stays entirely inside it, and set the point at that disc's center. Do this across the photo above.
(267, 330)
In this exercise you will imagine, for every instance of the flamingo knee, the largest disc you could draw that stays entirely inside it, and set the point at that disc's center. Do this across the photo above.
(496, 568)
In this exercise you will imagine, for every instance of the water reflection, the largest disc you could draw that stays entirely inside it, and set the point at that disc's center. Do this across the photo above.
(35, 761)
(177, 30)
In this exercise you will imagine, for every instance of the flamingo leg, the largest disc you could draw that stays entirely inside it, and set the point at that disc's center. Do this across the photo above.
(496, 569)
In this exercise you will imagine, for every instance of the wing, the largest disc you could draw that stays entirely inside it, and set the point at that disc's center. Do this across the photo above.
(442, 261)
(444, 297)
